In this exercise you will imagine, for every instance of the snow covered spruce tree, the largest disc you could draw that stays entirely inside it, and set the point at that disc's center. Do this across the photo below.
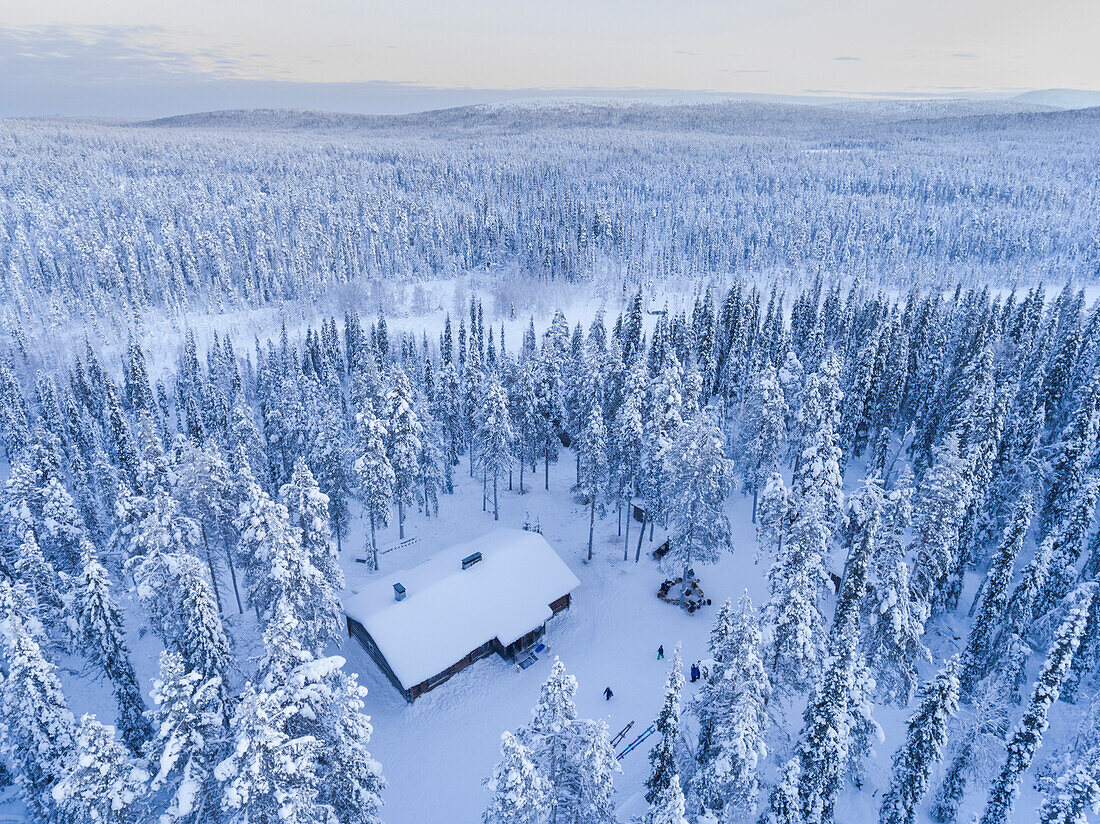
(43, 585)
(495, 438)
(329, 445)
(588, 785)
(403, 434)
(14, 431)
(39, 731)
(279, 569)
(204, 484)
(103, 641)
(994, 597)
(16, 599)
(798, 580)
(733, 719)
(1072, 457)
(330, 703)
(977, 740)
(190, 720)
(668, 807)
(772, 517)
(628, 439)
(270, 776)
(375, 477)
(892, 629)
(300, 739)
(1074, 792)
(307, 508)
(784, 804)
(156, 544)
(1066, 541)
(1028, 735)
(937, 516)
(594, 467)
(662, 428)
(547, 736)
(827, 745)
(662, 757)
(767, 432)
(202, 641)
(923, 747)
(60, 528)
(573, 755)
(435, 471)
(698, 480)
(103, 783)
(523, 409)
(519, 791)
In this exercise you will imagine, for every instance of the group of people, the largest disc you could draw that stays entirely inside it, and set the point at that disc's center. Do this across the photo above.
(696, 672)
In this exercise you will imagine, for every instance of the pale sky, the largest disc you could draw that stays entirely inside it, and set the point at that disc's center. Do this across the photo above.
(138, 57)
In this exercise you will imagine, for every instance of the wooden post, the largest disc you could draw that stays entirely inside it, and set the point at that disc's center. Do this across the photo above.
(629, 518)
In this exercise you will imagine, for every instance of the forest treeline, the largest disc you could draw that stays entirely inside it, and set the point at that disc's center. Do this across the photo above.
(967, 423)
(116, 221)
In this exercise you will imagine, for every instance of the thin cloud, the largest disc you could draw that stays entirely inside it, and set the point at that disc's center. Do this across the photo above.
(964, 56)
(111, 54)
(849, 59)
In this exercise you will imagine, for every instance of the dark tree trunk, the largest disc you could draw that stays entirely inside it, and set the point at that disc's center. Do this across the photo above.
(591, 525)
(210, 565)
(233, 576)
(626, 543)
(373, 546)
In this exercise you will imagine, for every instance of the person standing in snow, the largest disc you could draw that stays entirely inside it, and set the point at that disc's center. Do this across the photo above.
(694, 672)
(607, 693)
(661, 652)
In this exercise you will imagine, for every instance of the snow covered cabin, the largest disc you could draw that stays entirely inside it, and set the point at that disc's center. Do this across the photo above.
(494, 594)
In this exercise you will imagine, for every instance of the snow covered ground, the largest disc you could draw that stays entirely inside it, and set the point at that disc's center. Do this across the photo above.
(436, 752)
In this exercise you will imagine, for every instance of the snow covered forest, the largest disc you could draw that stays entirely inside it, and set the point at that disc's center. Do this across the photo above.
(846, 361)
(207, 213)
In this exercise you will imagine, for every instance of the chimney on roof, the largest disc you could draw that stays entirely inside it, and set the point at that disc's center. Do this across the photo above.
(398, 592)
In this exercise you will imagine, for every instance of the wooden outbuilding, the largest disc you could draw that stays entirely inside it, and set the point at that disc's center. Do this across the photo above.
(494, 594)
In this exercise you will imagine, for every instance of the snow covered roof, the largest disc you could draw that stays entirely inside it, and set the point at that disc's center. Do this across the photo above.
(449, 612)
